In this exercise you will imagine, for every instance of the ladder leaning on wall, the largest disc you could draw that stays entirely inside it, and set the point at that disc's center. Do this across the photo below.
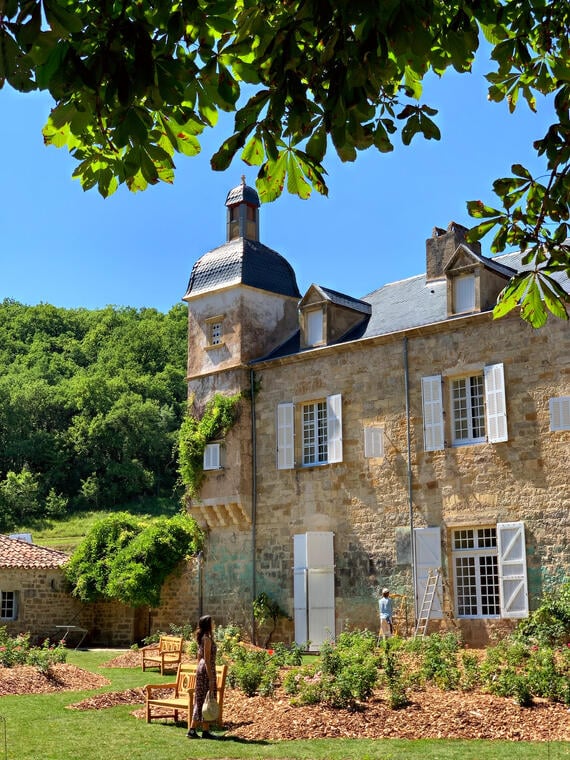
(431, 589)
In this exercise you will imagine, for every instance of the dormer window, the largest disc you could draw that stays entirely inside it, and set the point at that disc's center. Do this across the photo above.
(314, 327)
(464, 293)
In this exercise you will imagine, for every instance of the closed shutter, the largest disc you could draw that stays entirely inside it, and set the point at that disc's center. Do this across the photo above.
(373, 442)
(432, 413)
(285, 436)
(513, 588)
(496, 407)
(313, 585)
(560, 413)
(334, 428)
(428, 557)
(212, 459)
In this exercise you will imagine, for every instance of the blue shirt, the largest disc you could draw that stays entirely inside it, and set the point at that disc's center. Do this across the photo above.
(385, 605)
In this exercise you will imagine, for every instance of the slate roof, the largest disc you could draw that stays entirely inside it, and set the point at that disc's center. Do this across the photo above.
(242, 193)
(17, 553)
(246, 262)
(410, 303)
(341, 299)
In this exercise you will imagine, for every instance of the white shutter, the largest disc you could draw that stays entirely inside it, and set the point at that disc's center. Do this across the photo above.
(334, 428)
(300, 576)
(513, 589)
(428, 556)
(212, 460)
(285, 437)
(432, 413)
(314, 327)
(313, 586)
(464, 293)
(496, 407)
(373, 442)
(560, 413)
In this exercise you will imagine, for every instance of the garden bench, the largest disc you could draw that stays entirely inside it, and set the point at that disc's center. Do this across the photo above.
(181, 696)
(167, 654)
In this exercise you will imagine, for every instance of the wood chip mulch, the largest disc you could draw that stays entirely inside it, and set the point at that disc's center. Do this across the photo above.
(431, 714)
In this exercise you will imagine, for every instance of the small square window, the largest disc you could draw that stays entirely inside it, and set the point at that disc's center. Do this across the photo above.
(560, 413)
(215, 330)
(213, 456)
(8, 605)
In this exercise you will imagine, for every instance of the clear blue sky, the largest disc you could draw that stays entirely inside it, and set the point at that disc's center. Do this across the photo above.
(63, 246)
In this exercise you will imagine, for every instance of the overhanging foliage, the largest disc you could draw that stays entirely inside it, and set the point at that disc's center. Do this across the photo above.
(128, 560)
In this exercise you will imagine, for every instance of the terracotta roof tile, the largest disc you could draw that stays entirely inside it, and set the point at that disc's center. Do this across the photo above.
(17, 553)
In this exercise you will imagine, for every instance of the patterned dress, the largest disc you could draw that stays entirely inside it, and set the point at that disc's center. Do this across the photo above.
(203, 679)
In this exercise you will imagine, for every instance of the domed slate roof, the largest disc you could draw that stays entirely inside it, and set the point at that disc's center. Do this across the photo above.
(243, 262)
(242, 193)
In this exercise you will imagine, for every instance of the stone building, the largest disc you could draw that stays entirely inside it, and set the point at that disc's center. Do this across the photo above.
(380, 438)
(35, 599)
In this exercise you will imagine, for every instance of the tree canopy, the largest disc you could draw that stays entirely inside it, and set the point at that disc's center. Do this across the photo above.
(90, 407)
(136, 81)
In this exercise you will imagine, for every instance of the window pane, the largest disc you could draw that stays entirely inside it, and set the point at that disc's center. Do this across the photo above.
(463, 539)
(7, 605)
(468, 408)
(466, 586)
(315, 446)
(215, 333)
(487, 537)
(459, 395)
(489, 575)
(477, 407)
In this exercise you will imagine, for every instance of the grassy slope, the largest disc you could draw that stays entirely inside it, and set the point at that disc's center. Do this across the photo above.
(65, 534)
(41, 728)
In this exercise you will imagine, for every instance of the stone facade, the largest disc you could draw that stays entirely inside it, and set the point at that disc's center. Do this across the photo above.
(472, 473)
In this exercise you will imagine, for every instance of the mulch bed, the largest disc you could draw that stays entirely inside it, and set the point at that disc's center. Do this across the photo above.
(433, 714)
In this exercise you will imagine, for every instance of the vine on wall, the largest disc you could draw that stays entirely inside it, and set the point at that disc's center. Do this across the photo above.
(220, 414)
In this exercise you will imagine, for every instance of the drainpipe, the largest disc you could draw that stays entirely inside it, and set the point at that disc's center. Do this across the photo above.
(253, 501)
(409, 450)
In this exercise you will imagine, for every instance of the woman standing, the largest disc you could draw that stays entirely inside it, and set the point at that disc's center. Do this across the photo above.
(205, 676)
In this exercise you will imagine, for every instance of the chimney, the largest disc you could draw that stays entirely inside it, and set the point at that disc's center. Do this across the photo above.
(441, 246)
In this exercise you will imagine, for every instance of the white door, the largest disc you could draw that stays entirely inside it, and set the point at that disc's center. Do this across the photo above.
(428, 556)
(313, 588)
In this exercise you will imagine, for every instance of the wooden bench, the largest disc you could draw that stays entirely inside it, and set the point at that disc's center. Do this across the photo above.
(166, 655)
(181, 696)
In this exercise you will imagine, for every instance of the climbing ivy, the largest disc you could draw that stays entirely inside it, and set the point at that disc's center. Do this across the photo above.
(217, 419)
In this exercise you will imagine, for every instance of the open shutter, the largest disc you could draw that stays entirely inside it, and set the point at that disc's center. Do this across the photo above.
(496, 406)
(513, 589)
(560, 413)
(428, 556)
(373, 442)
(300, 575)
(432, 413)
(285, 437)
(334, 428)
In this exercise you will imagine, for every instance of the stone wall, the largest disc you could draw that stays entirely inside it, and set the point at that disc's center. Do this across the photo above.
(365, 502)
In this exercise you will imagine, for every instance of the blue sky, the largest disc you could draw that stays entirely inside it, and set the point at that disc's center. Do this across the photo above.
(63, 246)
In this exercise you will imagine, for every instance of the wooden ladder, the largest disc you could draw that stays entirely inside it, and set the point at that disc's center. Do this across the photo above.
(431, 589)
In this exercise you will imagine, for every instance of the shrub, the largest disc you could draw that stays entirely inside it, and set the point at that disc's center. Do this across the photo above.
(550, 623)
(395, 682)
(252, 671)
(17, 651)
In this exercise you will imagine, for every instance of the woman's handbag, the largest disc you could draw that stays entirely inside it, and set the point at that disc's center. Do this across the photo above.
(210, 708)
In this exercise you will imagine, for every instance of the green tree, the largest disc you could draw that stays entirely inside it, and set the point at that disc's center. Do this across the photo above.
(138, 81)
(18, 498)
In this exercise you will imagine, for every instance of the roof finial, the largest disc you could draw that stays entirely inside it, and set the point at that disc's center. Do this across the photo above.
(243, 179)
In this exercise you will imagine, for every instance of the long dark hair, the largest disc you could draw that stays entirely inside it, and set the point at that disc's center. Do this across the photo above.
(204, 628)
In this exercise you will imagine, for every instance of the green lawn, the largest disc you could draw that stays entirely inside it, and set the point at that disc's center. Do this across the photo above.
(41, 728)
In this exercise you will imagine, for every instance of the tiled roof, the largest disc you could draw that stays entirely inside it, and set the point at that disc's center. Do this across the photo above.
(17, 553)
(246, 262)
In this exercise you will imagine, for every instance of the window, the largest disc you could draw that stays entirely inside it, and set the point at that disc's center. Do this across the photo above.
(214, 330)
(489, 566)
(373, 442)
(314, 327)
(560, 413)
(477, 408)
(320, 423)
(476, 570)
(8, 605)
(464, 293)
(213, 456)
(468, 410)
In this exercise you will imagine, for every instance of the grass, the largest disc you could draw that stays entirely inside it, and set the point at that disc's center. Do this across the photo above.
(39, 727)
(66, 533)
